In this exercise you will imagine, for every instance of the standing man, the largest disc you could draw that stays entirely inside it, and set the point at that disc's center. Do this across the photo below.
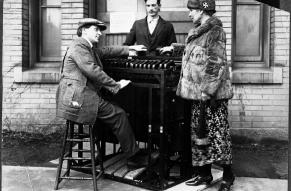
(82, 77)
(153, 32)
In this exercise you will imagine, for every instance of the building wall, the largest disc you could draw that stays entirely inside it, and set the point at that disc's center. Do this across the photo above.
(30, 106)
(257, 111)
(260, 111)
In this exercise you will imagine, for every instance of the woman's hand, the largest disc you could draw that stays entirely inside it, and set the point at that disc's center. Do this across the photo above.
(166, 49)
(204, 96)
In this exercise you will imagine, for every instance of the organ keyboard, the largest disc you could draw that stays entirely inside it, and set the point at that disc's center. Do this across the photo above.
(140, 63)
(144, 70)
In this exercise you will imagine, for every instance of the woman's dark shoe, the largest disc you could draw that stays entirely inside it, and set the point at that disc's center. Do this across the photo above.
(198, 180)
(226, 185)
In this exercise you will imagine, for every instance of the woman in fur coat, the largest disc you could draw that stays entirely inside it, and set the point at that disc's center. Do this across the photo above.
(205, 82)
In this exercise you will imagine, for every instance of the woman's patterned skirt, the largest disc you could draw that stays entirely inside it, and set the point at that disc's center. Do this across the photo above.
(219, 148)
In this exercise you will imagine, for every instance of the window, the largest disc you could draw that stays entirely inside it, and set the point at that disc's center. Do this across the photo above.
(45, 32)
(251, 33)
(251, 44)
(50, 33)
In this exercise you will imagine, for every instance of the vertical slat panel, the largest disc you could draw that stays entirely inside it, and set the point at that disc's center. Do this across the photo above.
(181, 38)
(1, 79)
(119, 38)
(115, 39)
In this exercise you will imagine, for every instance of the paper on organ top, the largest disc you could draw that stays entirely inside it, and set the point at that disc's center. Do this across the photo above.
(121, 21)
(132, 53)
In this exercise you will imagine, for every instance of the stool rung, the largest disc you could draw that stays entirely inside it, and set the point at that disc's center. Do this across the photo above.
(81, 150)
(85, 167)
(81, 134)
(76, 178)
(77, 158)
(79, 140)
(81, 167)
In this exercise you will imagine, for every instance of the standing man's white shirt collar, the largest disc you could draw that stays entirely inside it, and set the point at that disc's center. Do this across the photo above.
(152, 23)
(91, 45)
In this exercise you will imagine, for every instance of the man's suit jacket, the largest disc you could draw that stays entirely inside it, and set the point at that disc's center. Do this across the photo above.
(163, 35)
(82, 77)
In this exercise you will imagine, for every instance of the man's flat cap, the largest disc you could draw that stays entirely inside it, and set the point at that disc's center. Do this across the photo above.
(91, 21)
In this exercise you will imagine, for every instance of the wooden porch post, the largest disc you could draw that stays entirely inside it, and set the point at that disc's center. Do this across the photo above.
(1, 85)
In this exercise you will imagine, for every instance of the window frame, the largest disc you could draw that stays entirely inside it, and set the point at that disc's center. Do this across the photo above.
(35, 48)
(92, 4)
(264, 38)
(33, 33)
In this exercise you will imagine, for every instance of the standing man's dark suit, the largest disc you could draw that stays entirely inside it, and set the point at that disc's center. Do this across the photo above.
(163, 35)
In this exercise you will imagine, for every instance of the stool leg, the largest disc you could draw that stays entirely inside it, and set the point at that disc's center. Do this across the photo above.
(103, 147)
(69, 162)
(92, 148)
(80, 144)
(99, 155)
(61, 159)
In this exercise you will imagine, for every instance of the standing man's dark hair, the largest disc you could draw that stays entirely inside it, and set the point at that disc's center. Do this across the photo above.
(158, 2)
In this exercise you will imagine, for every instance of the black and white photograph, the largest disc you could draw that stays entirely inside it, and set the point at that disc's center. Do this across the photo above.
(145, 95)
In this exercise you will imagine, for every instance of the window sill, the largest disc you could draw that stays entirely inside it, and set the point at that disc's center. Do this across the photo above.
(273, 75)
(37, 75)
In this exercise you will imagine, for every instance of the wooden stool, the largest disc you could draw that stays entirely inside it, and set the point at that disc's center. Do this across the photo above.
(79, 163)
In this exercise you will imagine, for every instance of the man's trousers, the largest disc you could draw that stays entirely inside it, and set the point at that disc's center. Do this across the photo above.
(116, 119)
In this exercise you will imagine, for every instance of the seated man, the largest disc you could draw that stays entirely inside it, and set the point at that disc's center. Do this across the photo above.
(153, 32)
(82, 77)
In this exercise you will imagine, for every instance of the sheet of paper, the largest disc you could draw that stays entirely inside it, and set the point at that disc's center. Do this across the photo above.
(121, 22)
(121, 5)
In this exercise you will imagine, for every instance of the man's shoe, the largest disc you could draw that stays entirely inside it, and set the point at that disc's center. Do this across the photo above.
(138, 160)
(198, 180)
